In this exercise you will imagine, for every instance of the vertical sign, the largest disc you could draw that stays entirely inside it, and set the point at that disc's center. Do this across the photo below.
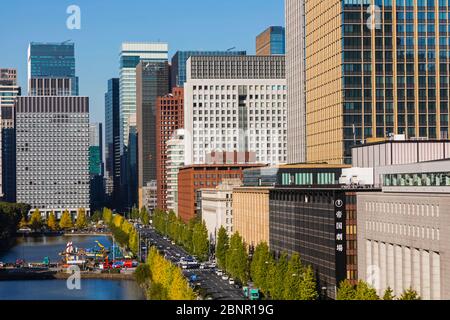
(340, 237)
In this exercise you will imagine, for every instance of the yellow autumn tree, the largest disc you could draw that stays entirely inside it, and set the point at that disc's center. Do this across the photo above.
(66, 221)
(81, 219)
(51, 222)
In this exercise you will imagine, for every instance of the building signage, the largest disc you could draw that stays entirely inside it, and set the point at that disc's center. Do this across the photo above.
(340, 233)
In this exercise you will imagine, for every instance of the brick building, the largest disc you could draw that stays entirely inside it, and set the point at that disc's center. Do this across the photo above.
(170, 117)
(193, 178)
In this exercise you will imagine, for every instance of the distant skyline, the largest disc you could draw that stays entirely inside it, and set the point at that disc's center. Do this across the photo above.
(184, 25)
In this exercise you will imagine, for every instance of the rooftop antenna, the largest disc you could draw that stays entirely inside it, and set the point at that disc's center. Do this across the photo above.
(231, 49)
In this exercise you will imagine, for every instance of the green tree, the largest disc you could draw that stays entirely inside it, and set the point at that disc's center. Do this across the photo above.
(66, 221)
(97, 216)
(142, 273)
(388, 294)
(279, 272)
(410, 294)
(134, 242)
(365, 292)
(346, 291)
(81, 219)
(237, 259)
(308, 285)
(144, 216)
(293, 278)
(135, 214)
(52, 224)
(222, 245)
(259, 265)
(36, 220)
(200, 241)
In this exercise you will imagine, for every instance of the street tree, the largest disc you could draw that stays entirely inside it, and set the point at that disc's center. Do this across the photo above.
(200, 242)
(237, 259)
(222, 245)
(278, 274)
(410, 294)
(388, 294)
(144, 216)
(293, 278)
(308, 285)
(346, 291)
(365, 292)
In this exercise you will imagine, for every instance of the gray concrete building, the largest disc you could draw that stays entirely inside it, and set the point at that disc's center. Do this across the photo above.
(404, 231)
(53, 153)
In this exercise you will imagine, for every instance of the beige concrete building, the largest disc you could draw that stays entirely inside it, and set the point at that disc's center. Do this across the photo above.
(404, 231)
(251, 214)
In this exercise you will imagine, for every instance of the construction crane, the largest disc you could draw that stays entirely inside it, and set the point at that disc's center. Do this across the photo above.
(231, 49)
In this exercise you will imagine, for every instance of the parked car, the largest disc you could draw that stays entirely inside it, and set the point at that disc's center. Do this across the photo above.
(202, 266)
(225, 277)
(231, 281)
(219, 273)
(118, 265)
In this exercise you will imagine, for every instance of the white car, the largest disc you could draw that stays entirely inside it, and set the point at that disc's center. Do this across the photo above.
(202, 266)
(219, 273)
(225, 277)
(232, 282)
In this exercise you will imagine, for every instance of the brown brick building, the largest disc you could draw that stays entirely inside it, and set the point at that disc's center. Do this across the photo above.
(170, 117)
(193, 178)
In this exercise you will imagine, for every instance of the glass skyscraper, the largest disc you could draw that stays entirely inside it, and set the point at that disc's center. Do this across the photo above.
(178, 69)
(375, 68)
(130, 56)
(271, 42)
(52, 60)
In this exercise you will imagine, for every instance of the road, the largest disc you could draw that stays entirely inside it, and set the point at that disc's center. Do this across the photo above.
(209, 281)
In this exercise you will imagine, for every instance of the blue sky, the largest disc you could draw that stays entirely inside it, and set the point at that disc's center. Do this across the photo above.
(184, 24)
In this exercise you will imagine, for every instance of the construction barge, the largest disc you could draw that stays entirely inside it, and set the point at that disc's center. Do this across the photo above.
(95, 263)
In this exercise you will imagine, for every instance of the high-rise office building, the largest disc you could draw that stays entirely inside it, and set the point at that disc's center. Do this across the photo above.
(271, 41)
(112, 142)
(53, 153)
(152, 81)
(9, 90)
(96, 170)
(131, 54)
(236, 103)
(373, 72)
(169, 118)
(52, 60)
(179, 61)
(51, 87)
(295, 75)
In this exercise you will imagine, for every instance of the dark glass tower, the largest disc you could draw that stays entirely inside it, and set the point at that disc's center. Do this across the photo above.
(53, 60)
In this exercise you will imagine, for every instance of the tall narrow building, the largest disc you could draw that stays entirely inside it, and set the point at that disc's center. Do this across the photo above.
(374, 69)
(169, 118)
(9, 91)
(152, 81)
(52, 60)
(295, 76)
(112, 143)
(96, 168)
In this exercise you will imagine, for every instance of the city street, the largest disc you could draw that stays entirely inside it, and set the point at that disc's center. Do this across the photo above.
(209, 281)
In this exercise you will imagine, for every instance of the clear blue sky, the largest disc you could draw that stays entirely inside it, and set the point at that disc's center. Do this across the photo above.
(184, 24)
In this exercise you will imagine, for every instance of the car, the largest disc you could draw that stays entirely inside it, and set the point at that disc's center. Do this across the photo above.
(173, 243)
(219, 273)
(184, 266)
(168, 248)
(231, 281)
(202, 266)
(178, 255)
(225, 277)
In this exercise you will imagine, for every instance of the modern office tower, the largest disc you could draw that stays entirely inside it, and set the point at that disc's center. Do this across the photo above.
(169, 118)
(217, 208)
(175, 161)
(112, 142)
(61, 87)
(52, 60)
(271, 41)
(131, 54)
(371, 75)
(9, 90)
(403, 230)
(129, 175)
(96, 169)
(179, 60)
(236, 103)
(53, 153)
(295, 75)
(152, 81)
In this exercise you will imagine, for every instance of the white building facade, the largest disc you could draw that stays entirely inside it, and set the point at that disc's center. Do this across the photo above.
(236, 104)
(217, 208)
(175, 160)
(52, 149)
